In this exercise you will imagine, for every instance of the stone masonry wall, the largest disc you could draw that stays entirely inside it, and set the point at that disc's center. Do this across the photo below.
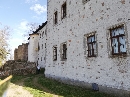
(17, 68)
(22, 52)
(83, 18)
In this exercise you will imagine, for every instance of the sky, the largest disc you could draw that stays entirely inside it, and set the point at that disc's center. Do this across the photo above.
(17, 13)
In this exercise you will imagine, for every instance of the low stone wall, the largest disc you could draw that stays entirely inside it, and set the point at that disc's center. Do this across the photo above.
(17, 68)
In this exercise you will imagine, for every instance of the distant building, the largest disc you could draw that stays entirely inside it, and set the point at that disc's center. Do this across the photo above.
(37, 46)
(21, 52)
(33, 47)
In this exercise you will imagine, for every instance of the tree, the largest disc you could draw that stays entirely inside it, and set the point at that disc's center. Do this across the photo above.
(31, 28)
(4, 46)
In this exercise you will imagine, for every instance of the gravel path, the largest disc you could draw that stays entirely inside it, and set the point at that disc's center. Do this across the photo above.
(17, 91)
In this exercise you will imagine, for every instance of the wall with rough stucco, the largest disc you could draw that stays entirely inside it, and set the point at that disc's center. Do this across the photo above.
(33, 47)
(42, 47)
(94, 16)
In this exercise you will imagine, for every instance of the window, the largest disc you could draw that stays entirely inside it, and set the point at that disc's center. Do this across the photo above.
(63, 11)
(85, 1)
(54, 53)
(91, 42)
(64, 51)
(45, 45)
(41, 58)
(42, 33)
(118, 43)
(55, 17)
(46, 32)
(38, 47)
(42, 46)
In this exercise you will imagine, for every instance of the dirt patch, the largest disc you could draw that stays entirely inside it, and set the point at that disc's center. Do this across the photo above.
(17, 91)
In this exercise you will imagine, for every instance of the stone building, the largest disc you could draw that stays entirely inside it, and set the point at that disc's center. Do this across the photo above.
(21, 52)
(85, 42)
(37, 46)
(88, 41)
(42, 50)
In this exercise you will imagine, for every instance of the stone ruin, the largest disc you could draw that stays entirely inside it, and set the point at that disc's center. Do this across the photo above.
(18, 67)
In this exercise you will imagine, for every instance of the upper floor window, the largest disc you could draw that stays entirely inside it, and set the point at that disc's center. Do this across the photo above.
(42, 46)
(38, 47)
(45, 45)
(118, 43)
(42, 33)
(91, 42)
(54, 53)
(63, 11)
(55, 18)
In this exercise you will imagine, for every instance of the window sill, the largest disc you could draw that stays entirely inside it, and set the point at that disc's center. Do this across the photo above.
(55, 60)
(64, 18)
(64, 59)
(118, 55)
(55, 24)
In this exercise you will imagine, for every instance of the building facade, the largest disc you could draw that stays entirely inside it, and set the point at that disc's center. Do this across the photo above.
(33, 47)
(37, 46)
(88, 42)
(42, 45)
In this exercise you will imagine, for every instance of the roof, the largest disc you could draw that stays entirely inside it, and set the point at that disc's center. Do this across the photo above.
(40, 27)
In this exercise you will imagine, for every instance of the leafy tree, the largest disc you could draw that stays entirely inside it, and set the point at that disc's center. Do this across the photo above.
(4, 46)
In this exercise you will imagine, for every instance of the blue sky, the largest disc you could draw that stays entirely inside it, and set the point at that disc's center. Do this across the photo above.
(17, 13)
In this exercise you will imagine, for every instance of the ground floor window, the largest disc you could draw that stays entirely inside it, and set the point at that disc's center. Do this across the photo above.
(118, 40)
(54, 53)
(64, 51)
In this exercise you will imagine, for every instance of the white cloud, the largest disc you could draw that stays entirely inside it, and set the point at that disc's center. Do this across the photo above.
(39, 9)
(31, 1)
(23, 25)
(42, 18)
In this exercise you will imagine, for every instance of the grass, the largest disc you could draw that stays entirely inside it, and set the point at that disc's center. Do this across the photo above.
(16, 78)
(48, 88)
(68, 90)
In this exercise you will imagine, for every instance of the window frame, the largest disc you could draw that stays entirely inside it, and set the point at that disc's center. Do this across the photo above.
(64, 54)
(55, 17)
(63, 10)
(42, 46)
(92, 45)
(54, 53)
(63, 51)
(118, 41)
(85, 44)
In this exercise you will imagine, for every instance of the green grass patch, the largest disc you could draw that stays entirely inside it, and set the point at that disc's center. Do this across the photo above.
(48, 88)
(68, 90)
(16, 78)
(35, 90)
